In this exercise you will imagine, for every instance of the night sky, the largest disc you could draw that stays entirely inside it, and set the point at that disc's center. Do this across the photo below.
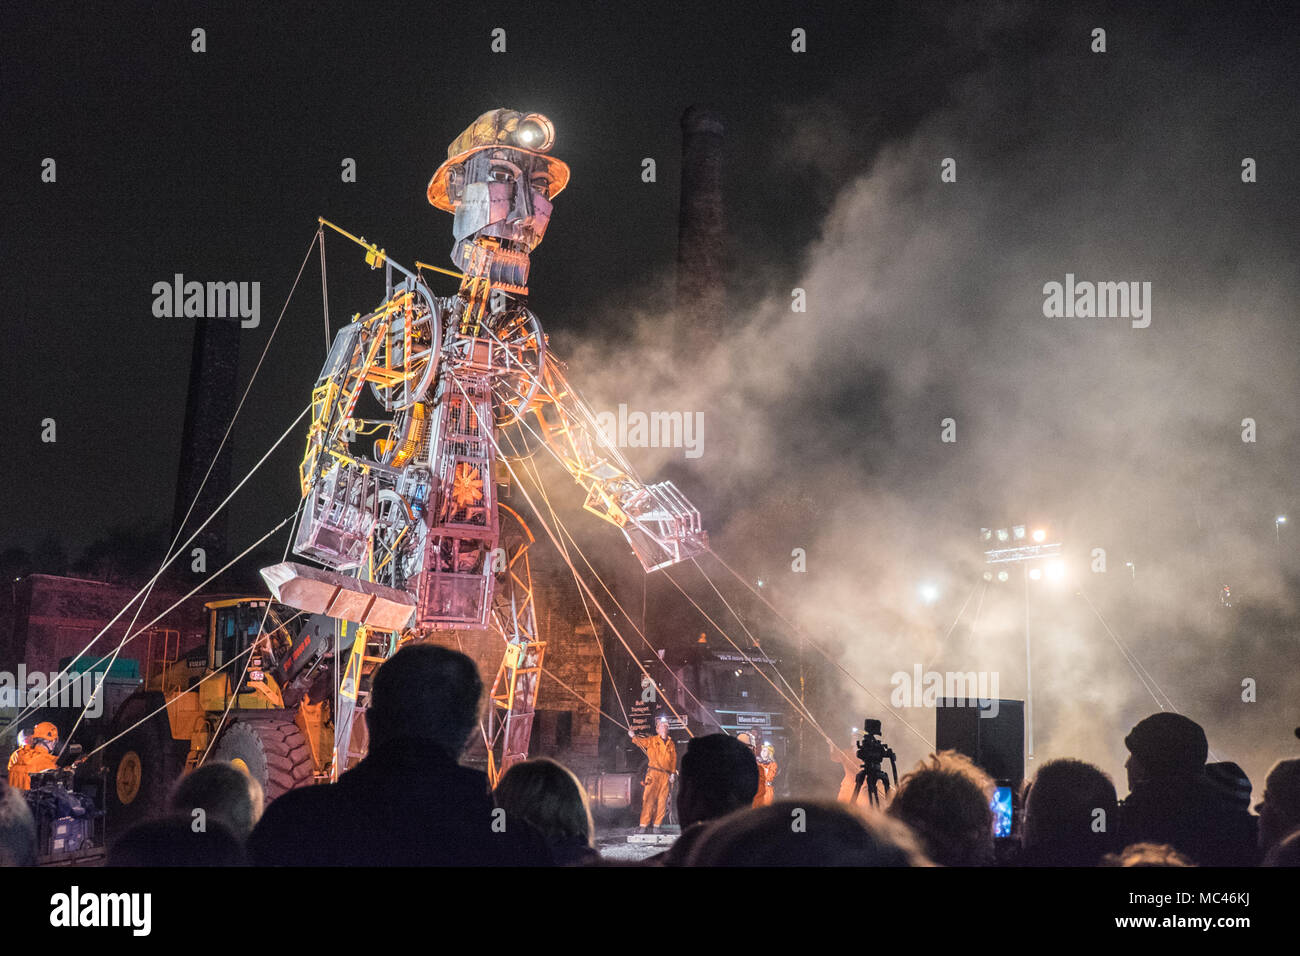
(925, 296)
(216, 166)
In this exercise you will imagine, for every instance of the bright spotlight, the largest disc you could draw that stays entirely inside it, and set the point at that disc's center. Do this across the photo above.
(1018, 532)
(1002, 534)
(1003, 576)
(1039, 535)
(929, 593)
(988, 575)
(1035, 574)
(1281, 519)
(1055, 570)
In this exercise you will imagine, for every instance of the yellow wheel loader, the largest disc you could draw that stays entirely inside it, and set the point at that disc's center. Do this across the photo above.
(258, 695)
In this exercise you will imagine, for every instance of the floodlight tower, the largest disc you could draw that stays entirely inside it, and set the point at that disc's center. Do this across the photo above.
(1027, 549)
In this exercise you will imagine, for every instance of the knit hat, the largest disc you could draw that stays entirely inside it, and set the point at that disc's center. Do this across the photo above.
(1168, 743)
(1230, 780)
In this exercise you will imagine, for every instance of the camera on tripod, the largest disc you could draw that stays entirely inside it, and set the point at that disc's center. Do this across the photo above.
(872, 751)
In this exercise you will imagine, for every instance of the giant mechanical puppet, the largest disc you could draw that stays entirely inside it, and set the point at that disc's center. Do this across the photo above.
(401, 507)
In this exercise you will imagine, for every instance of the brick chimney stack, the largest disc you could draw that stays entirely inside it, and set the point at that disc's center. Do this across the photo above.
(701, 226)
(209, 405)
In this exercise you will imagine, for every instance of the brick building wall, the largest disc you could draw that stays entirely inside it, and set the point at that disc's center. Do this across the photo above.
(46, 618)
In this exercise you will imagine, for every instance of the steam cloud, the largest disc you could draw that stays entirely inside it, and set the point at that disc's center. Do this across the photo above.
(925, 302)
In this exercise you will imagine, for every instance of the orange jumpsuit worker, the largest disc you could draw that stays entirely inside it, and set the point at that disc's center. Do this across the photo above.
(850, 766)
(767, 771)
(663, 766)
(34, 756)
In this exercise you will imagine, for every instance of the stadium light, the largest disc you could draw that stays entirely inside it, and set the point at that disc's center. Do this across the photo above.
(1035, 574)
(1039, 536)
(929, 593)
(1055, 570)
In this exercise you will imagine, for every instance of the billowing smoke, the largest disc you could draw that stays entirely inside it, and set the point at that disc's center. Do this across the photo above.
(925, 302)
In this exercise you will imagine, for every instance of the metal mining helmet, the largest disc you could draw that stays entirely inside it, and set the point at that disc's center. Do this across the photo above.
(531, 134)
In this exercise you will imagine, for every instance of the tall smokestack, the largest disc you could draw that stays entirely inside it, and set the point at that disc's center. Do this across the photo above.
(214, 369)
(701, 241)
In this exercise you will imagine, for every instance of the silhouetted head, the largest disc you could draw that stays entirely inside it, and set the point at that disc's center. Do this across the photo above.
(175, 841)
(1165, 744)
(1286, 852)
(1279, 809)
(945, 801)
(549, 797)
(805, 833)
(425, 692)
(1071, 810)
(718, 775)
(1147, 854)
(224, 793)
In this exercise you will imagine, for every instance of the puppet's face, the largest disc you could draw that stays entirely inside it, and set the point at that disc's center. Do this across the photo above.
(501, 193)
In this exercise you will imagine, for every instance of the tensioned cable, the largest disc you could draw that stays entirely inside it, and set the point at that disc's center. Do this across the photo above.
(565, 532)
(817, 647)
(799, 708)
(147, 589)
(535, 475)
(1143, 675)
(596, 575)
(324, 286)
(581, 407)
(586, 703)
(261, 629)
(488, 430)
(938, 649)
(55, 682)
(216, 574)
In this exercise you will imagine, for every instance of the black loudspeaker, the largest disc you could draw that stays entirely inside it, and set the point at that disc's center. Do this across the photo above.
(994, 740)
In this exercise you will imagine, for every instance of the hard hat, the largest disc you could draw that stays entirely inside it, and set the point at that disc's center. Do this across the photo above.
(663, 719)
(45, 731)
(530, 133)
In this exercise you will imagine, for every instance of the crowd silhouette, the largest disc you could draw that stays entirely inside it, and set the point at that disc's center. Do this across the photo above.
(411, 803)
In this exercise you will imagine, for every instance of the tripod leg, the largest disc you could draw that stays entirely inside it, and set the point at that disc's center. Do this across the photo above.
(857, 784)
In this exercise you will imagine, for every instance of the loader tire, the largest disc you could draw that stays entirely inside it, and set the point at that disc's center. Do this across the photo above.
(141, 765)
(272, 751)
